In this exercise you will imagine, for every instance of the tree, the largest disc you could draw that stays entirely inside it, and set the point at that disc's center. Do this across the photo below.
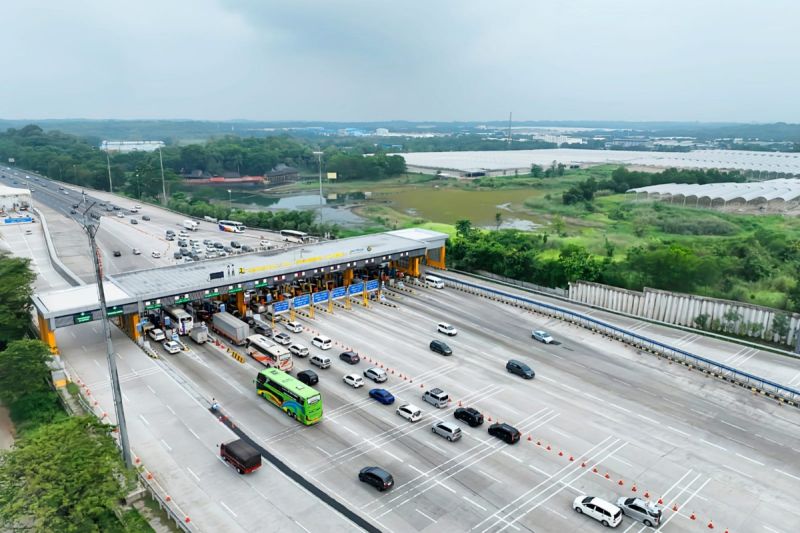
(23, 369)
(559, 226)
(780, 325)
(537, 171)
(701, 320)
(579, 264)
(793, 298)
(463, 228)
(66, 476)
(16, 280)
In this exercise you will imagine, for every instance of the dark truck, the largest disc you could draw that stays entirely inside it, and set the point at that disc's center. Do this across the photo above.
(241, 455)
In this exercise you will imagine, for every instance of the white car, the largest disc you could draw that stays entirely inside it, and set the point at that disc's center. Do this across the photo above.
(172, 346)
(446, 328)
(604, 512)
(282, 338)
(542, 336)
(156, 334)
(354, 380)
(136, 251)
(137, 206)
(294, 327)
(155, 255)
(120, 215)
(298, 350)
(412, 413)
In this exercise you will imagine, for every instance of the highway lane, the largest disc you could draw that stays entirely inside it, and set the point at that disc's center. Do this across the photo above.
(677, 436)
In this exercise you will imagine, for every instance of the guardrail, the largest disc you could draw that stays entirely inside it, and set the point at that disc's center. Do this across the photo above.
(59, 267)
(754, 383)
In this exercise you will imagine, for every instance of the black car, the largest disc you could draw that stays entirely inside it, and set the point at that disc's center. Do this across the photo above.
(75, 206)
(115, 207)
(219, 245)
(145, 217)
(519, 368)
(377, 477)
(134, 221)
(349, 357)
(441, 347)
(94, 215)
(183, 251)
(177, 255)
(235, 244)
(471, 416)
(117, 253)
(73, 212)
(504, 432)
(309, 377)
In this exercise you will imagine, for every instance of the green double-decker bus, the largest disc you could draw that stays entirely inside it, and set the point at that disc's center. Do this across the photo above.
(294, 397)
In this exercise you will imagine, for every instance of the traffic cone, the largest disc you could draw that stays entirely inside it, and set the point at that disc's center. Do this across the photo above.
(548, 448)
(710, 525)
(168, 498)
(633, 488)
(675, 507)
(646, 494)
(489, 419)
(594, 470)
(571, 458)
(561, 454)
(660, 501)
(607, 476)
(692, 517)
(538, 443)
(583, 464)
(529, 438)
(620, 483)
(187, 519)
(459, 403)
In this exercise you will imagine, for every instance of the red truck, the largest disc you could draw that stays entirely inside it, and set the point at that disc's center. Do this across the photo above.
(241, 455)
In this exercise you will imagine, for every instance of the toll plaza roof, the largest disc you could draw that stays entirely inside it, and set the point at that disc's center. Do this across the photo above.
(134, 291)
(433, 239)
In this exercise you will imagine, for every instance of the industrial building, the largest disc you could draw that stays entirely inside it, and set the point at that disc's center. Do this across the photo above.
(781, 191)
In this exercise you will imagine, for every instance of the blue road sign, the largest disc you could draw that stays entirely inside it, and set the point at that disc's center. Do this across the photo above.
(320, 297)
(301, 301)
(338, 292)
(356, 288)
(280, 307)
(372, 285)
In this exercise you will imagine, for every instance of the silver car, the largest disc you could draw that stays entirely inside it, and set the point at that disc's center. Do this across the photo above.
(644, 511)
(447, 430)
(378, 375)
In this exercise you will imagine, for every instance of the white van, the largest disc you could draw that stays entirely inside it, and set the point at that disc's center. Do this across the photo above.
(433, 281)
(191, 225)
(322, 361)
(322, 342)
(436, 397)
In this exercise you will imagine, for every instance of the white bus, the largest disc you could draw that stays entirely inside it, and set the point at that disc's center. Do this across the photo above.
(181, 320)
(268, 353)
(231, 226)
(290, 235)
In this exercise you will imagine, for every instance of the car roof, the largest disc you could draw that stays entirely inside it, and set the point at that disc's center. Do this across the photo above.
(437, 390)
(409, 406)
(307, 373)
(376, 470)
(608, 506)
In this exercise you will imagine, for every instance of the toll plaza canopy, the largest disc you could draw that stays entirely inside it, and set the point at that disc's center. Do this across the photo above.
(135, 292)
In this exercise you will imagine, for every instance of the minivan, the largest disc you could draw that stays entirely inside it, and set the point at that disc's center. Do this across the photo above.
(322, 361)
(350, 357)
(322, 342)
(433, 281)
(447, 430)
(436, 397)
(519, 368)
(604, 512)
(440, 347)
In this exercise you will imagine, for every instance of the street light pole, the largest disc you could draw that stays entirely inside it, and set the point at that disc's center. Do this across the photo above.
(91, 230)
(229, 200)
(108, 164)
(163, 183)
(319, 158)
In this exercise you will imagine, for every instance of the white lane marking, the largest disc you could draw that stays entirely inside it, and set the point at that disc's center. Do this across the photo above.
(746, 359)
(170, 409)
(418, 470)
(673, 402)
(195, 434)
(481, 507)
(619, 407)
(617, 459)
(557, 513)
(151, 389)
(787, 474)
(192, 473)
(771, 529)
(304, 528)
(554, 430)
(489, 476)
(392, 456)
(445, 486)
(167, 446)
(539, 470)
(648, 419)
(228, 508)
(733, 425)
(769, 440)
(714, 445)
(573, 389)
(678, 431)
(595, 398)
(517, 459)
(736, 470)
(701, 413)
(351, 431)
(435, 447)
(144, 420)
(794, 378)
(426, 516)
(323, 451)
(749, 459)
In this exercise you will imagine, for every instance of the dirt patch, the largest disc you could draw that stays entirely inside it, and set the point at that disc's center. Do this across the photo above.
(7, 431)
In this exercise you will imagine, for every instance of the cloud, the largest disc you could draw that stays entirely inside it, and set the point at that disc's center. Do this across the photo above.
(367, 60)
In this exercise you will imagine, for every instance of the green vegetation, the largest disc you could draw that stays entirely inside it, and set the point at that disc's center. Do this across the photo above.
(63, 474)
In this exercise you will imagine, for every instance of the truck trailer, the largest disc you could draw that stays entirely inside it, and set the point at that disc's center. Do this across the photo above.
(230, 327)
(191, 225)
(241, 455)
(199, 334)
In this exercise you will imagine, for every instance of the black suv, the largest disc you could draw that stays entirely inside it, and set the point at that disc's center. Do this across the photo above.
(349, 357)
(507, 433)
(519, 368)
(377, 477)
(235, 244)
(309, 377)
(471, 416)
(441, 347)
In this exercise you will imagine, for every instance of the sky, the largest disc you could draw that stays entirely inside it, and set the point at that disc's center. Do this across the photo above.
(419, 60)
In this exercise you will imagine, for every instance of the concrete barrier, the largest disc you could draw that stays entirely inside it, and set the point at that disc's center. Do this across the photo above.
(59, 267)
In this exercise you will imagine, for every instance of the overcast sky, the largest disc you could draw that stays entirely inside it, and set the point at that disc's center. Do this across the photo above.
(354, 60)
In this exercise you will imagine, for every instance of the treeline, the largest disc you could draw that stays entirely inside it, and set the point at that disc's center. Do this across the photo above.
(273, 220)
(724, 268)
(623, 179)
(79, 161)
(62, 474)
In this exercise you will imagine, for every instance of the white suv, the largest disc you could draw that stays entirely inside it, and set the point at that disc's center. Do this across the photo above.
(298, 350)
(446, 328)
(354, 380)
(294, 327)
(412, 413)
(604, 512)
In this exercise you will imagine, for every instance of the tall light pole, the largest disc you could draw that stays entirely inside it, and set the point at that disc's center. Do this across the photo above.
(91, 230)
(163, 183)
(229, 200)
(319, 158)
(108, 165)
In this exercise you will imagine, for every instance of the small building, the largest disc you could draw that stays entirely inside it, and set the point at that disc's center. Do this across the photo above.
(281, 174)
(14, 204)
